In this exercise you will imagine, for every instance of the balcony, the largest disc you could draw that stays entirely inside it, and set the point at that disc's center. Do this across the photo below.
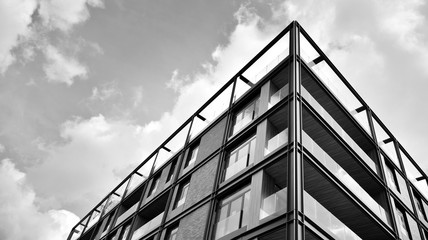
(338, 129)
(274, 203)
(278, 96)
(335, 199)
(228, 224)
(237, 166)
(326, 220)
(275, 142)
(126, 214)
(337, 171)
(148, 227)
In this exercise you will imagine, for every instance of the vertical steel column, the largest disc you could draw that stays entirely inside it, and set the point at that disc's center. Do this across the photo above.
(295, 183)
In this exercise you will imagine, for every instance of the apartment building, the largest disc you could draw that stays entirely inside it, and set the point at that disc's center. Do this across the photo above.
(286, 149)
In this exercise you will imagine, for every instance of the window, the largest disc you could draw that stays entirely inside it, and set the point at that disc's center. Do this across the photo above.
(245, 116)
(191, 158)
(106, 223)
(391, 179)
(419, 208)
(233, 213)
(155, 184)
(402, 224)
(240, 158)
(172, 233)
(125, 232)
(171, 171)
(181, 194)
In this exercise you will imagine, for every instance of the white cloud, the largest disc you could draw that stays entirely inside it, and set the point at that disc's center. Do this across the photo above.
(104, 92)
(62, 69)
(21, 218)
(85, 167)
(64, 14)
(15, 16)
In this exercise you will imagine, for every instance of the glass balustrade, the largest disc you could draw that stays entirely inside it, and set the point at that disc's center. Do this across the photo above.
(326, 220)
(237, 166)
(339, 130)
(277, 141)
(278, 96)
(343, 176)
(148, 227)
(228, 224)
(274, 203)
(126, 214)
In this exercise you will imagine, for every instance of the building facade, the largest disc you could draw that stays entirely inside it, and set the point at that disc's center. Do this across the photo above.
(285, 150)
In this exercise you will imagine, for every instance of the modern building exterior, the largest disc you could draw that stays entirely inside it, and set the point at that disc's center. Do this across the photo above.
(285, 150)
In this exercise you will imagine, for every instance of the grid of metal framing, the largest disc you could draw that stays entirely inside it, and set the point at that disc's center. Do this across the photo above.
(294, 221)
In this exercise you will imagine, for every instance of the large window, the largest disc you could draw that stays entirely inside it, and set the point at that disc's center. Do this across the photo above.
(240, 158)
(191, 158)
(171, 170)
(403, 228)
(233, 213)
(155, 184)
(172, 233)
(391, 179)
(245, 116)
(181, 194)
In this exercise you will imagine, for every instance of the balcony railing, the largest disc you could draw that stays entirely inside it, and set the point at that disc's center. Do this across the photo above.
(148, 227)
(277, 141)
(126, 214)
(336, 170)
(237, 166)
(228, 224)
(326, 220)
(339, 130)
(276, 202)
(278, 96)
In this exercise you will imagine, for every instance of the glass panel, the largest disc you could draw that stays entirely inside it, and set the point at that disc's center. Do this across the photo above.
(269, 60)
(218, 105)
(115, 197)
(278, 96)
(325, 219)
(401, 224)
(387, 147)
(336, 86)
(404, 193)
(414, 175)
(228, 225)
(178, 141)
(198, 125)
(245, 115)
(240, 88)
(343, 176)
(307, 51)
(362, 118)
(77, 232)
(338, 129)
(148, 227)
(126, 214)
(95, 216)
(240, 158)
(414, 230)
(274, 203)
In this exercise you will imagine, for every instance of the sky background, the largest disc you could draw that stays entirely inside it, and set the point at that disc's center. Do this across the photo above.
(88, 88)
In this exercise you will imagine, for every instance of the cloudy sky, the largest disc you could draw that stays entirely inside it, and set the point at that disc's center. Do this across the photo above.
(88, 88)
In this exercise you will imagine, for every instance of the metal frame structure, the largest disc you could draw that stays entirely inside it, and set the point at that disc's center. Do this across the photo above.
(296, 222)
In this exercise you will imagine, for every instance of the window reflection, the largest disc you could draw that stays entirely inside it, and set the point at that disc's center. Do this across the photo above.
(233, 213)
(240, 158)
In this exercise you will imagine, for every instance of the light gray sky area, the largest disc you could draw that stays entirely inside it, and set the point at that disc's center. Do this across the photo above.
(88, 88)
